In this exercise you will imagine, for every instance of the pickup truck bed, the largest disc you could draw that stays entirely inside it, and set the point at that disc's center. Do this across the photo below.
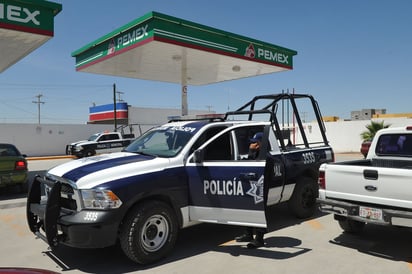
(379, 183)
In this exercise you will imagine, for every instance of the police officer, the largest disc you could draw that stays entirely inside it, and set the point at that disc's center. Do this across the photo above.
(247, 236)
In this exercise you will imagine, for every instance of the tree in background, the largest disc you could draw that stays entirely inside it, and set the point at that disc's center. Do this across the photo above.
(373, 127)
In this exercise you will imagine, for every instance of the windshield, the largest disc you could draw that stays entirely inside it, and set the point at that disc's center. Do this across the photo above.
(162, 142)
(93, 137)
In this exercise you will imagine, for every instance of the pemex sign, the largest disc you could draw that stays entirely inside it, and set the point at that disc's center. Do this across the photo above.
(155, 26)
(25, 25)
(33, 16)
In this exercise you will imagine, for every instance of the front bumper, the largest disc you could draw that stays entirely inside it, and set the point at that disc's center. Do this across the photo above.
(72, 150)
(57, 225)
(350, 210)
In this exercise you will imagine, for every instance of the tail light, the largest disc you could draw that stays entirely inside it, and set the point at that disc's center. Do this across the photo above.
(321, 179)
(20, 165)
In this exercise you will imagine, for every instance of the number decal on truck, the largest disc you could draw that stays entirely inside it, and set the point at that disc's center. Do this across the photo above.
(308, 158)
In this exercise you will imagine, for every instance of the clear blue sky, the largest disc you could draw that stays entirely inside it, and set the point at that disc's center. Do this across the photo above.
(351, 55)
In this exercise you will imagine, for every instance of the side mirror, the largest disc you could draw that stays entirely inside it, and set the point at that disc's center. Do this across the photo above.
(198, 156)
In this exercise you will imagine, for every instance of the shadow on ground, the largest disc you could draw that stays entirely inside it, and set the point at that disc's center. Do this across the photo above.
(192, 241)
(382, 241)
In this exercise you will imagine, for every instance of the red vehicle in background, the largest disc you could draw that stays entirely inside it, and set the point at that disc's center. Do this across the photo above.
(365, 147)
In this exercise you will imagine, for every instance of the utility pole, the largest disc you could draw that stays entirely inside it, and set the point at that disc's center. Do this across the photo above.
(114, 107)
(38, 102)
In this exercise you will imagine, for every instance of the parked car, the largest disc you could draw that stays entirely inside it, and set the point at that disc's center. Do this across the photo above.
(13, 166)
(365, 147)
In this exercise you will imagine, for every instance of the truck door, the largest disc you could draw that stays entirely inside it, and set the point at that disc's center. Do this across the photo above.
(109, 143)
(225, 186)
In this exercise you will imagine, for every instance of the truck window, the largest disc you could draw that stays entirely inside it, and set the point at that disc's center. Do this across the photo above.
(220, 149)
(233, 145)
(273, 143)
(111, 137)
(93, 137)
(209, 133)
(243, 136)
(394, 144)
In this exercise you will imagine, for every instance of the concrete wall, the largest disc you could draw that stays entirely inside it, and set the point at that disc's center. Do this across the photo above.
(344, 136)
(46, 140)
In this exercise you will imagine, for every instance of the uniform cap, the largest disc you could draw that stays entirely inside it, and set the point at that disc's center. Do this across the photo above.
(257, 137)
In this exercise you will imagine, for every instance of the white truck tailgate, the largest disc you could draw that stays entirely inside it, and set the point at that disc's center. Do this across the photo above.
(369, 184)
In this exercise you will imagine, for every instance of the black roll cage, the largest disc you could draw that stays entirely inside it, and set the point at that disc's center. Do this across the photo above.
(250, 109)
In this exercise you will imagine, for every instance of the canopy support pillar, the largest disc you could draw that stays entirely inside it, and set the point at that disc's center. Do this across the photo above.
(184, 83)
(184, 100)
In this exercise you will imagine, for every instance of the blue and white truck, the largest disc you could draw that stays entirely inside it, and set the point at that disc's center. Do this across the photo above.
(185, 173)
(101, 142)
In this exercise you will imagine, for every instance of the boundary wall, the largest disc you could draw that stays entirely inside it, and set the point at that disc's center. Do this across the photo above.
(345, 136)
(50, 140)
(46, 140)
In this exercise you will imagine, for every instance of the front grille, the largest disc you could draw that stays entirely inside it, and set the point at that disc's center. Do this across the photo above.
(69, 197)
(68, 203)
(67, 189)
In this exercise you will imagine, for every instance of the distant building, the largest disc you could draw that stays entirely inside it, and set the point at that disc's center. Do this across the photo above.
(393, 115)
(104, 114)
(366, 114)
(138, 119)
(330, 118)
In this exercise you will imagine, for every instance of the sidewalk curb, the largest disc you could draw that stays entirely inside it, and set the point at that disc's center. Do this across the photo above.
(13, 203)
(50, 157)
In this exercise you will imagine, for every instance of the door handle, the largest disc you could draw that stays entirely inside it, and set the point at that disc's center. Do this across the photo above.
(370, 174)
(248, 176)
(371, 188)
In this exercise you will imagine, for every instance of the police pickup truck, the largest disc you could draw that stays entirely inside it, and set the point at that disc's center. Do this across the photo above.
(102, 142)
(184, 173)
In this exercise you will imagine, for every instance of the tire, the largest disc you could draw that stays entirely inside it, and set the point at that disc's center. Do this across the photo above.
(351, 226)
(302, 204)
(149, 232)
(89, 153)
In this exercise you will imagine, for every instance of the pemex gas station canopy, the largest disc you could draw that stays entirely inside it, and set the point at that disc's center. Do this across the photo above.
(164, 48)
(24, 26)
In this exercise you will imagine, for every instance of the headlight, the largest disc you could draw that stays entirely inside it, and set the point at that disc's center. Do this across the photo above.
(78, 148)
(100, 199)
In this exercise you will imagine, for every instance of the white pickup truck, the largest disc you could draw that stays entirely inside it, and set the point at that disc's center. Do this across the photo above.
(102, 142)
(377, 189)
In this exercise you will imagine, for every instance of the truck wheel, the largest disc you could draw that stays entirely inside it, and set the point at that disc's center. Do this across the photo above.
(302, 204)
(149, 232)
(89, 153)
(351, 226)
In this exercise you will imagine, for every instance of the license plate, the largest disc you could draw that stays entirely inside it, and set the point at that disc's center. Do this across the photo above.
(370, 213)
